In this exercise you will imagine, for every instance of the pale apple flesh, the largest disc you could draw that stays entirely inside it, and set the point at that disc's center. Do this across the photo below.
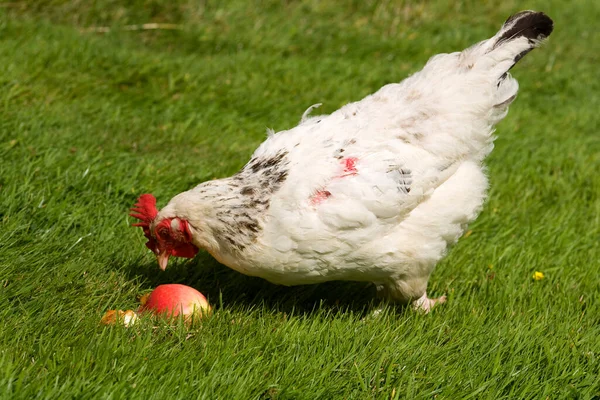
(112, 317)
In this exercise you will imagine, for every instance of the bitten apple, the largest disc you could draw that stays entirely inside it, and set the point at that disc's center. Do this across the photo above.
(172, 300)
(111, 317)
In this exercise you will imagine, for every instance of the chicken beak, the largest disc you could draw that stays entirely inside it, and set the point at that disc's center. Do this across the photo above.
(163, 259)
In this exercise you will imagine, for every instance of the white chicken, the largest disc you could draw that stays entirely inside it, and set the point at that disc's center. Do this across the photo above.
(375, 191)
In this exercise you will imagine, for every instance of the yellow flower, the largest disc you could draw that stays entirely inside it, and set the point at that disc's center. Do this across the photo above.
(538, 276)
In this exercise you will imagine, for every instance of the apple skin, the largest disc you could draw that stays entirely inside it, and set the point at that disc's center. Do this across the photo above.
(172, 300)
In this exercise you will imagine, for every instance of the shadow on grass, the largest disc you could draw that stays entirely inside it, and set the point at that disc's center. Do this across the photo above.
(227, 288)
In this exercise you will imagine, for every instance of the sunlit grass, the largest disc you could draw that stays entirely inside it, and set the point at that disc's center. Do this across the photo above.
(90, 121)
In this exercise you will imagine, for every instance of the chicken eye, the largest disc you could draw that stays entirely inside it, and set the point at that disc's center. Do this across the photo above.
(162, 233)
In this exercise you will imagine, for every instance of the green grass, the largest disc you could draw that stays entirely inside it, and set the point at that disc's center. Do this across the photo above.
(89, 121)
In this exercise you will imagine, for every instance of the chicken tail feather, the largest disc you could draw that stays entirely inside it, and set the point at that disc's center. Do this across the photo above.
(521, 33)
(531, 25)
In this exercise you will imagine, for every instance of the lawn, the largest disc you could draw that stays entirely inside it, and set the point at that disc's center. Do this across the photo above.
(92, 119)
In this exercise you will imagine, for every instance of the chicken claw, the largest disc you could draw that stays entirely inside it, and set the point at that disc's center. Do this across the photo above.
(425, 304)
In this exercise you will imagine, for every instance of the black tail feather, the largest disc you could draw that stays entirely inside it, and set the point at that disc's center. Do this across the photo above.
(535, 26)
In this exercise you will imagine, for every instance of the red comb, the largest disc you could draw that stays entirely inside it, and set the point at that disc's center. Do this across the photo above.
(145, 210)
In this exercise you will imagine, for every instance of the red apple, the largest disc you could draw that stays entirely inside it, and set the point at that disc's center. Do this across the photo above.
(173, 299)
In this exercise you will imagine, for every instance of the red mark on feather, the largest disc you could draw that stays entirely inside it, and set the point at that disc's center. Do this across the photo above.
(319, 197)
(349, 166)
